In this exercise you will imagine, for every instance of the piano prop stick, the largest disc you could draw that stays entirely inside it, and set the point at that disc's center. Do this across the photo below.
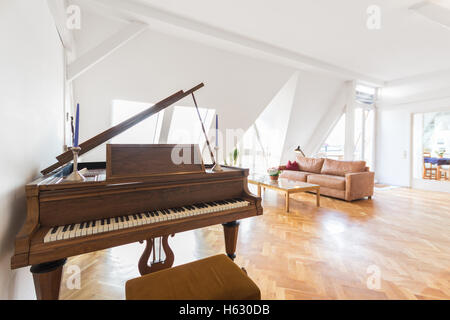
(76, 176)
(139, 194)
(216, 167)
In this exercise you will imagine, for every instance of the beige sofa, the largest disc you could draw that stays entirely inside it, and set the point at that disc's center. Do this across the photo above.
(346, 180)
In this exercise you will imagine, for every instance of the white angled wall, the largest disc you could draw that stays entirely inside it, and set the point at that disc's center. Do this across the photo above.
(318, 95)
(31, 113)
(154, 65)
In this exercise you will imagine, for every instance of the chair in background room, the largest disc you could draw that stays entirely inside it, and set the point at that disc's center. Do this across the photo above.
(430, 172)
(445, 172)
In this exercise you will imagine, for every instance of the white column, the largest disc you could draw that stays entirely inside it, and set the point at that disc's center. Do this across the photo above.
(350, 121)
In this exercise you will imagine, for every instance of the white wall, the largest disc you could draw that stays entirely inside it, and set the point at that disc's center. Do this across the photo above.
(31, 113)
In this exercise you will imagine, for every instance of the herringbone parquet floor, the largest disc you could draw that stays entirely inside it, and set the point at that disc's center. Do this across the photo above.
(331, 252)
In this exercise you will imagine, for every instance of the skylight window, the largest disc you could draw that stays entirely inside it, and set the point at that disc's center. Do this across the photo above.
(365, 94)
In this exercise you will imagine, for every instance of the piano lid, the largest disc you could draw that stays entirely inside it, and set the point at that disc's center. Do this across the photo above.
(105, 136)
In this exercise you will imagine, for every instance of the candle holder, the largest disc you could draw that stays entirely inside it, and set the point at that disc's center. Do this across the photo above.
(217, 167)
(75, 176)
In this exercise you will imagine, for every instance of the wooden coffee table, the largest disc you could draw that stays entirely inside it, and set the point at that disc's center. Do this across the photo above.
(286, 186)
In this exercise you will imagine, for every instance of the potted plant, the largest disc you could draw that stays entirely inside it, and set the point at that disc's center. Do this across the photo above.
(440, 152)
(274, 173)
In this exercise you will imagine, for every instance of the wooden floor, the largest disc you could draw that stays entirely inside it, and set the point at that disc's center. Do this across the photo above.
(312, 253)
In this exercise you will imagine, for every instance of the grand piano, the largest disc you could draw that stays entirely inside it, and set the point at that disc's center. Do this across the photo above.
(139, 194)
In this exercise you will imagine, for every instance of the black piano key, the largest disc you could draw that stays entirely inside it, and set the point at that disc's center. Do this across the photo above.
(65, 228)
(135, 217)
(117, 219)
(103, 222)
(82, 226)
(152, 214)
(139, 215)
(147, 215)
(72, 227)
(94, 223)
(108, 221)
(54, 230)
(122, 219)
(88, 224)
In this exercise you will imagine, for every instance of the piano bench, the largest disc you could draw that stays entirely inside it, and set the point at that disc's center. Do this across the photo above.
(215, 278)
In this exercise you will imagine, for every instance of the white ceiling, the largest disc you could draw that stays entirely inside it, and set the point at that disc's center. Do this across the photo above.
(333, 31)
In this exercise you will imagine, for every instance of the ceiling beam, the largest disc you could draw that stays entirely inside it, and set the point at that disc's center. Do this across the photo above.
(145, 13)
(104, 49)
(433, 12)
(58, 10)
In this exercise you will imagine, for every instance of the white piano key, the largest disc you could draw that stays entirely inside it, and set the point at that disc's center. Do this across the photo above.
(84, 230)
(100, 226)
(48, 235)
(162, 216)
(121, 223)
(78, 233)
(148, 219)
(109, 226)
(54, 236)
(73, 233)
(115, 222)
(89, 229)
(67, 233)
(140, 219)
(95, 229)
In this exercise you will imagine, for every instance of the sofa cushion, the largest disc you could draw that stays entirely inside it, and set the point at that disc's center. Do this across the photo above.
(293, 166)
(327, 181)
(341, 168)
(312, 165)
(295, 175)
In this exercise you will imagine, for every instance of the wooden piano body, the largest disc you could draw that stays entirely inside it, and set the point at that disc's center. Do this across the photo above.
(52, 201)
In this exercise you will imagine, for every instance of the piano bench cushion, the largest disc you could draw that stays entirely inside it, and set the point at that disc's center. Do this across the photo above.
(215, 278)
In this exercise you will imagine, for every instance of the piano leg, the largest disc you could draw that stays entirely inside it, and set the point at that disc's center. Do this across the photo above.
(47, 279)
(158, 265)
(231, 230)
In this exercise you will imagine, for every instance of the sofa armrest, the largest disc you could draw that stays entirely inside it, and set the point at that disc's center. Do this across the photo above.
(359, 185)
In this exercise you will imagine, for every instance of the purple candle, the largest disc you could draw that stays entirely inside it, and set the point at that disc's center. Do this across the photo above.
(217, 130)
(77, 127)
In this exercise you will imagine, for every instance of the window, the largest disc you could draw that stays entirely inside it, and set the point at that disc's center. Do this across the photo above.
(333, 148)
(146, 132)
(185, 127)
(364, 126)
(364, 134)
(254, 154)
(366, 95)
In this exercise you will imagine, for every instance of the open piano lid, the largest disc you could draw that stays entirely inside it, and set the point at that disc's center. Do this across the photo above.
(103, 137)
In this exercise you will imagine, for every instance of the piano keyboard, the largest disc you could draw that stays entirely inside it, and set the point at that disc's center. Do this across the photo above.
(129, 221)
